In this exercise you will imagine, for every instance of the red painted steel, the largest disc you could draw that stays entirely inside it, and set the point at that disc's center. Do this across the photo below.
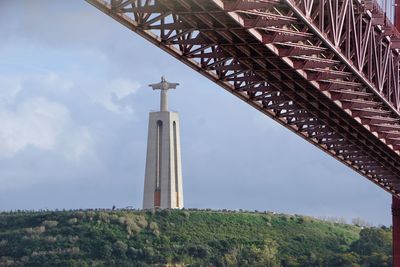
(397, 14)
(396, 230)
(395, 200)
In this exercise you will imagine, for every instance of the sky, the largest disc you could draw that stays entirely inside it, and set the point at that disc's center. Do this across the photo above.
(74, 104)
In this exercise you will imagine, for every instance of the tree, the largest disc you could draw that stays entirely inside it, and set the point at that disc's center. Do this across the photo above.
(345, 259)
(373, 240)
(378, 260)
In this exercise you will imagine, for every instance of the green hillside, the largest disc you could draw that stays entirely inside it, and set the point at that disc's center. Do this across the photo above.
(185, 238)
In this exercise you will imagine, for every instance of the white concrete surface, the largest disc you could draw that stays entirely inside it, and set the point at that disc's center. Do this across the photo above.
(163, 163)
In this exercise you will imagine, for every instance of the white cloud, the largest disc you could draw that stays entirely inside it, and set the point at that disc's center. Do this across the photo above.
(53, 81)
(35, 122)
(122, 88)
(42, 124)
(110, 95)
(12, 85)
(9, 88)
(79, 144)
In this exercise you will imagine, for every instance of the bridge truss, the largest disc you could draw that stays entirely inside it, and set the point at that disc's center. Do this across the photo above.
(328, 70)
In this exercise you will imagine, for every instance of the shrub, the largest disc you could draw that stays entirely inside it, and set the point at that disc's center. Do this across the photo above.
(3, 242)
(120, 247)
(35, 230)
(49, 223)
(50, 239)
(72, 221)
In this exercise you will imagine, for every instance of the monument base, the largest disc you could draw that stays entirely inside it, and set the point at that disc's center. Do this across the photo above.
(163, 175)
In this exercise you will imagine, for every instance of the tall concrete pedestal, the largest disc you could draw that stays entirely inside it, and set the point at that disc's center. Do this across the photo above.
(163, 175)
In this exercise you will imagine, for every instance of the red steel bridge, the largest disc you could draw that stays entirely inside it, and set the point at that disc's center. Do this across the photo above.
(328, 70)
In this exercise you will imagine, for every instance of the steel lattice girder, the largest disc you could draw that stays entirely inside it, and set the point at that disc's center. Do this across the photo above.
(328, 70)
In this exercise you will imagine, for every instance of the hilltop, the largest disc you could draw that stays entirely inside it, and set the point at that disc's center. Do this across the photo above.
(186, 238)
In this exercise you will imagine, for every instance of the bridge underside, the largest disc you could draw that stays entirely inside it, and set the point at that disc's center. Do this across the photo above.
(326, 70)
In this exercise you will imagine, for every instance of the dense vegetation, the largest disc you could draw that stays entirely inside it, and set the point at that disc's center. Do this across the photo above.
(186, 238)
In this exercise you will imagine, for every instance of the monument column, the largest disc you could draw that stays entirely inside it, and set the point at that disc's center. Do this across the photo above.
(163, 174)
